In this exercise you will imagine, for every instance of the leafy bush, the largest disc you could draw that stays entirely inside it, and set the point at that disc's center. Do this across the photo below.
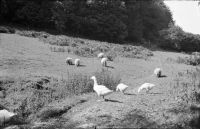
(111, 55)
(176, 39)
(6, 29)
(191, 60)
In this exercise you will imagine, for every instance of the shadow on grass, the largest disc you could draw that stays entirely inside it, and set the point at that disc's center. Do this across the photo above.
(110, 67)
(162, 76)
(195, 122)
(82, 66)
(129, 94)
(111, 100)
(78, 66)
(155, 93)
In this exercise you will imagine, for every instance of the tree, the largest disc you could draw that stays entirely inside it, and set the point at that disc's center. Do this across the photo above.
(110, 20)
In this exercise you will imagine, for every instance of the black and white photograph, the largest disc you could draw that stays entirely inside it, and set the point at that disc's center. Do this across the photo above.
(99, 64)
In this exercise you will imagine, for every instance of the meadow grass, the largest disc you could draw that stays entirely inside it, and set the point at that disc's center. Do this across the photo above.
(89, 48)
(186, 89)
(31, 95)
(191, 60)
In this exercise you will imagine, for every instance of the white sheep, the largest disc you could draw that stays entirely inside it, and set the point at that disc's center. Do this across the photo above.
(77, 62)
(104, 61)
(121, 87)
(69, 61)
(100, 55)
(158, 72)
(147, 86)
(5, 116)
(101, 90)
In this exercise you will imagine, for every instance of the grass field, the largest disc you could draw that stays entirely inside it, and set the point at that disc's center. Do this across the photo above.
(48, 93)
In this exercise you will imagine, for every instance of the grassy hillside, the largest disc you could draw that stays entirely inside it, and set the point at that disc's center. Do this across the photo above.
(48, 93)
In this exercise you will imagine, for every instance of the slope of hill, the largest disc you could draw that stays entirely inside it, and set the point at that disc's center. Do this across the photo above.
(35, 79)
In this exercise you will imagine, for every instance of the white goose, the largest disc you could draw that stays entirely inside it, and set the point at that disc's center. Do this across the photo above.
(101, 90)
(121, 87)
(77, 62)
(147, 86)
(5, 116)
(158, 72)
(100, 55)
(104, 61)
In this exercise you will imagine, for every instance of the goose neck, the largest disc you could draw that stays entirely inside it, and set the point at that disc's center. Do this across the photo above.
(95, 82)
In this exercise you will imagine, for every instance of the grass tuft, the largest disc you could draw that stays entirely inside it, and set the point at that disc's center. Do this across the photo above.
(35, 93)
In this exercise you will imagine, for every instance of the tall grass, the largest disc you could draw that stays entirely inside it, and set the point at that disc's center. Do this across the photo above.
(187, 91)
(53, 89)
(191, 60)
(106, 78)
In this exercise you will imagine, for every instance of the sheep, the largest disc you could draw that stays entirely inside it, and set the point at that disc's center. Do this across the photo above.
(5, 116)
(104, 61)
(77, 62)
(147, 86)
(121, 87)
(100, 55)
(101, 90)
(157, 72)
(69, 61)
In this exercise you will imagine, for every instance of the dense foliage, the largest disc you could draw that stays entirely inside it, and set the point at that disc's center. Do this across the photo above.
(143, 21)
(110, 20)
(175, 38)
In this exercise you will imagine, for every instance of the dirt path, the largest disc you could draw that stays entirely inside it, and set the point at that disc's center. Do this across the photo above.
(22, 57)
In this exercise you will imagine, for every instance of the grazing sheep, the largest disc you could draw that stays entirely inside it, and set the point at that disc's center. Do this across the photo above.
(121, 87)
(101, 90)
(100, 55)
(157, 72)
(69, 61)
(147, 86)
(77, 62)
(104, 61)
(5, 116)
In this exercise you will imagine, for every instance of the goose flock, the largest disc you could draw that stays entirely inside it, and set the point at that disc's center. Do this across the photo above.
(102, 90)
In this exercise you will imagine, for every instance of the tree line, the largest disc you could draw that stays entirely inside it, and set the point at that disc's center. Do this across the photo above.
(135, 21)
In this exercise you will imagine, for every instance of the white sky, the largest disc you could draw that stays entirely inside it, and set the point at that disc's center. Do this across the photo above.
(186, 14)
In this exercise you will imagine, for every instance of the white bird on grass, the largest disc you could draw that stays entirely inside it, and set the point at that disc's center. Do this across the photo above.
(101, 90)
(5, 116)
(100, 55)
(104, 61)
(121, 87)
(68, 60)
(157, 72)
(77, 62)
(147, 86)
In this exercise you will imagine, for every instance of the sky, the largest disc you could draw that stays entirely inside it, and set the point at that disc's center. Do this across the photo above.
(186, 14)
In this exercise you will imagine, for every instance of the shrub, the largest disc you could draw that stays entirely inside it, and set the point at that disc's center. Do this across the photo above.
(111, 55)
(4, 29)
(90, 48)
(175, 38)
(191, 60)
